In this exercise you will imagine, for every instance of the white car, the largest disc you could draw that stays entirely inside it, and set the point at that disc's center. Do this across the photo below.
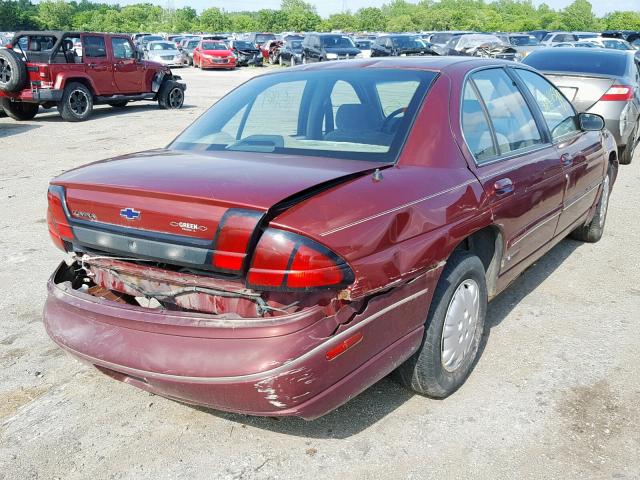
(614, 43)
(552, 38)
(165, 53)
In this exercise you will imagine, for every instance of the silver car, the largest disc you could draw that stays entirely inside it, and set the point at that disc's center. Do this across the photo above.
(164, 52)
(598, 80)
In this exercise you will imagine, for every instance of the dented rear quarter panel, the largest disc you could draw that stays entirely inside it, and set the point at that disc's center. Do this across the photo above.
(395, 228)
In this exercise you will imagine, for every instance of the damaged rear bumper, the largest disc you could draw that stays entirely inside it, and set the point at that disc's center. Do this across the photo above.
(265, 366)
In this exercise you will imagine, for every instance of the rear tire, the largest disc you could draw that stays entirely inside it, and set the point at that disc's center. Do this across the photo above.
(453, 330)
(626, 155)
(76, 104)
(170, 96)
(592, 231)
(19, 111)
(13, 71)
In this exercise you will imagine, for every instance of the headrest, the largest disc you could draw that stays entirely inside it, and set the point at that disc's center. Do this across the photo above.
(355, 117)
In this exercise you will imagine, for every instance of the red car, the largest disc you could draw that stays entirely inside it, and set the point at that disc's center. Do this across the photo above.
(213, 54)
(74, 71)
(321, 227)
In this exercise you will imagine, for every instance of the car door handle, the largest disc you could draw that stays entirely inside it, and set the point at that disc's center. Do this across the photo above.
(566, 159)
(92, 65)
(503, 186)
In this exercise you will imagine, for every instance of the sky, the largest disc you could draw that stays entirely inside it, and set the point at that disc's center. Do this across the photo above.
(327, 7)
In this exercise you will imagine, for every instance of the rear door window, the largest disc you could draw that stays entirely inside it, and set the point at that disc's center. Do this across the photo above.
(475, 126)
(558, 113)
(514, 125)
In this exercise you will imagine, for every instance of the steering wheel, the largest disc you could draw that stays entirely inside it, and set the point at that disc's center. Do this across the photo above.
(387, 121)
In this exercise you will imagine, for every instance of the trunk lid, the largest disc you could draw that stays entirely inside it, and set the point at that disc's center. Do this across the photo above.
(581, 90)
(165, 197)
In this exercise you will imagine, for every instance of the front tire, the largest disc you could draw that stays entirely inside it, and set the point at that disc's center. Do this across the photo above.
(76, 104)
(453, 330)
(170, 96)
(19, 111)
(592, 231)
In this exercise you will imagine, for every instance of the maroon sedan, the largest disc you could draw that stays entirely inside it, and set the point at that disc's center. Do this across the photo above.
(321, 227)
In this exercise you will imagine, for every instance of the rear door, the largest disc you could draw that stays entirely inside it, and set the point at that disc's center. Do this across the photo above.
(98, 65)
(515, 162)
(128, 72)
(580, 153)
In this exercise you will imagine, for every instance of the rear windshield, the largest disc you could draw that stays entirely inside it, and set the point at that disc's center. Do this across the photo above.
(522, 40)
(335, 41)
(441, 38)
(595, 61)
(408, 42)
(342, 113)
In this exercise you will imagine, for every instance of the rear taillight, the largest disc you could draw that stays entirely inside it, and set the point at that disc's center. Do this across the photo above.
(232, 239)
(57, 221)
(618, 93)
(286, 261)
(43, 71)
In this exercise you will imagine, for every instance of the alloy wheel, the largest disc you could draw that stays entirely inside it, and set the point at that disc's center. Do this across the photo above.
(176, 97)
(78, 102)
(460, 323)
(5, 71)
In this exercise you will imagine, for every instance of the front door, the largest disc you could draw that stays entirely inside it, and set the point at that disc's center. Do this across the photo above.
(515, 162)
(128, 72)
(97, 64)
(580, 153)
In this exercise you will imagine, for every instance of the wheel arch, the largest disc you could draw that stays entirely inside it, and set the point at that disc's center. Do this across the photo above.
(487, 243)
(63, 80)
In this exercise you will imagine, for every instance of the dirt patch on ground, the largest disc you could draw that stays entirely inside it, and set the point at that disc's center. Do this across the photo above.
(12, 400)
(594, 417)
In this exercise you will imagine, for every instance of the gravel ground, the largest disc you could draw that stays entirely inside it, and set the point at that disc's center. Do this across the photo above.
(555, 393)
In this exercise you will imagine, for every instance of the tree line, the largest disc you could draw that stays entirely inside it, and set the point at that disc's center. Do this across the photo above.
(298, 15)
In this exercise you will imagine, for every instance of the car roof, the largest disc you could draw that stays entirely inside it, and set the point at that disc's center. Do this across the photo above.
(431, 63)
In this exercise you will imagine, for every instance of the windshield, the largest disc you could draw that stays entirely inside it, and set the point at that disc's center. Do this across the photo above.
(598, 61)
(264, 37)
(408, 42)
(523, 40)
(162, 46)
(213, 46)
(150, 38)
(363, 44)
(243, 45)
(193, 43)
(295, 44)
(342, 113)
(336, 41)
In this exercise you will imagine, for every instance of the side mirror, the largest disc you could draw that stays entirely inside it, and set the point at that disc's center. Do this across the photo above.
(590, 122)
